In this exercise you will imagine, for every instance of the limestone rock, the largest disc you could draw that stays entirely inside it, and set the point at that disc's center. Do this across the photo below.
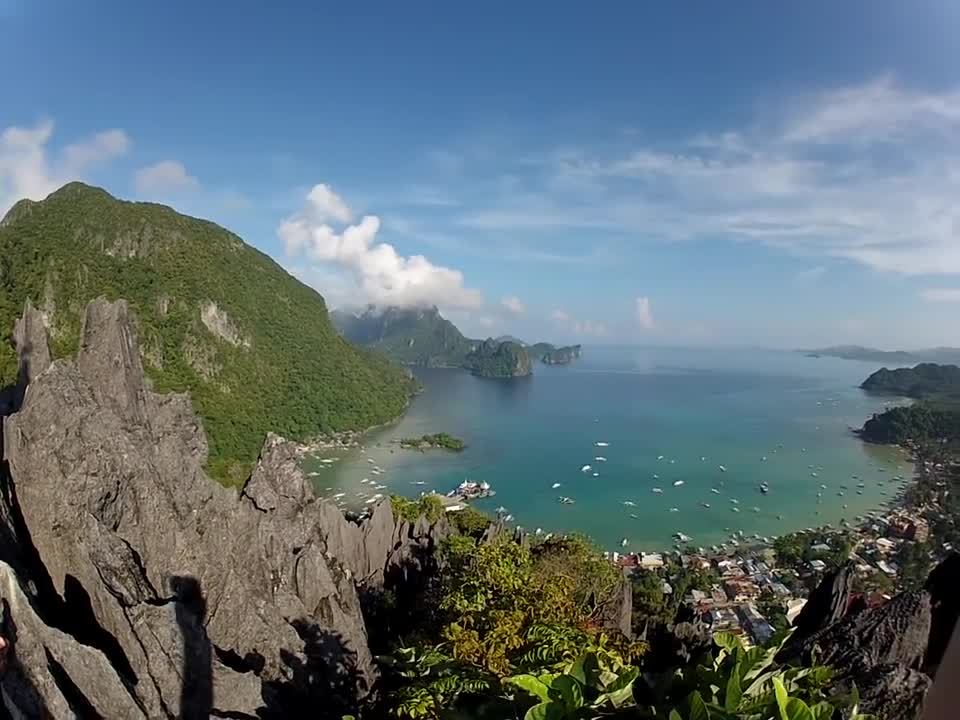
(827, 603)
(49, 673)
(109, 478)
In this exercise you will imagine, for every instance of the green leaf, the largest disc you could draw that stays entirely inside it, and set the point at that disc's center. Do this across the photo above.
(674, 715)
(619, 693)
(544, 711)
(577, 670)
(532, 685)
(698, 709)
(797, 710)
(822, 711)
(571, 691)
(780, 693)
(728, 641)
(731, 699)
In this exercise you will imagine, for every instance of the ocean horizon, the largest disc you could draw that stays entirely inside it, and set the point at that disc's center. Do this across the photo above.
(688, 437)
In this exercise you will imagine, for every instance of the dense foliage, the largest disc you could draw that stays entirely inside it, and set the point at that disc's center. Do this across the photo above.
(276, 364)
(436, 440)
(498, 360)
(429, 506)
(919, 423)
(414, 336)
(923, 382)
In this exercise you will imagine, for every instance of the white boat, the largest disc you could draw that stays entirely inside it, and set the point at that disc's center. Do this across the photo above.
(501, 509)
(706, 505)
(624, 542)
(656, 477)
(596, 474)
(823, 487)
(735, 509)
(714, 491)
(680, 537)
(508, 518)
(674, 509)
(659, 458)
(734, 501)
(763, 459)
(603, 444)
(634, 516)
(813, 474)
(555, 486)
(600, 458)
(418, 482)
(703, 458)
(657, 490)
(677, 483)
(565, 500)
(722, 469)
(586, 468)
(370, 460)
(629, 503)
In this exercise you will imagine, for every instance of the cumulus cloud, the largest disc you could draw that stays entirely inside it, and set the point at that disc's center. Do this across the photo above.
(381, 274)
(513, 304)
(577, 327)
(869, 173)
(27, 169)
(164, 177)
(948, 295)
(645, 314)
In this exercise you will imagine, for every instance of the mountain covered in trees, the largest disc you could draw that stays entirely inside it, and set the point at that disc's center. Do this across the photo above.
(926, 381)
(216, 318)
(423, 337)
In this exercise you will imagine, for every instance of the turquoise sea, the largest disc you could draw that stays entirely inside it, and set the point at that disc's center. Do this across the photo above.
(698, 409)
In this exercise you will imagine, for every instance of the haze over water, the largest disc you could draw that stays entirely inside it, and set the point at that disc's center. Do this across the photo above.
(731, 407)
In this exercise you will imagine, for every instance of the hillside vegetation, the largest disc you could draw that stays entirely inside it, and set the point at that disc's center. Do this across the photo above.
(498, 360)
(417, 336)
(252, 345)
(926, 381)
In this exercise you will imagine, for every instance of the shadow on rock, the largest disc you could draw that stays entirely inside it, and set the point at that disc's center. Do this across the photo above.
(323, 678)
(196, 693)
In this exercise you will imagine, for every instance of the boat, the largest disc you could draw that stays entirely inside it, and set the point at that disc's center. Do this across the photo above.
(659, 458)
(763, 459)
(508, 518)
(418, 482)
(714, 491)
(555, 486)
(703, 458)
(755, 509)
(680, 537)
(586, 468)
(735, 509)
(501, 509)
(706, 505)
(823, 487)
(656, 477)
(602, 444)
(657, 490)
(813, 474)
(677, 483)
(600, 458)
(722, 469)
(734, 501)
(596, 474)
(764, 488)
(674, 509)
(469, 490)
(629, 503)
(370, 460)
(624, 542)
(634, 516)
(565, 500)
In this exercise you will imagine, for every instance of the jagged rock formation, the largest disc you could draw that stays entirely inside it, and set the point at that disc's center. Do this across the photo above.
(185, 597)
(881, 650)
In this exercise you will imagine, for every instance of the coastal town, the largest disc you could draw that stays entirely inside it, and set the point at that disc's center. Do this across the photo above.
(756, 589)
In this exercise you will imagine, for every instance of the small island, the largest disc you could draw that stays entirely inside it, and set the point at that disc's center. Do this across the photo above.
(440, 440)
(552, 355)
(492, 359)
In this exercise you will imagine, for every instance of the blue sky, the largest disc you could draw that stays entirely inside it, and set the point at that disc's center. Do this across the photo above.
(783, 174)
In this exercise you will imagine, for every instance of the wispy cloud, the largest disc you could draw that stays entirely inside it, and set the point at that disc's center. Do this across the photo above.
(168, 176)
(29, 170)
(381, 274)
(576, 327)
(513, 305)
(868, 173)
(941, 295)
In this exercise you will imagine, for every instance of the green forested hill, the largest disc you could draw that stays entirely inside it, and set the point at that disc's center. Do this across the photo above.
(414, 336)
(927, 381)
(253, 345)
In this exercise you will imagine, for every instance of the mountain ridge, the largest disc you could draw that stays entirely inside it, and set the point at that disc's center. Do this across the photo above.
(216, 318)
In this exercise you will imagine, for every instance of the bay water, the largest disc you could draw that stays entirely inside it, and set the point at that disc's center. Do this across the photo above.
(665, 415)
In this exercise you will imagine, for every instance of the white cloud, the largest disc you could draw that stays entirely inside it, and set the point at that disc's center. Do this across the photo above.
(947, 295)
(645, 314)
(577, 327)
(381, 274)
(27, 171)
(486, 321)
(868, 173)
(164, 177)
(514, 305)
